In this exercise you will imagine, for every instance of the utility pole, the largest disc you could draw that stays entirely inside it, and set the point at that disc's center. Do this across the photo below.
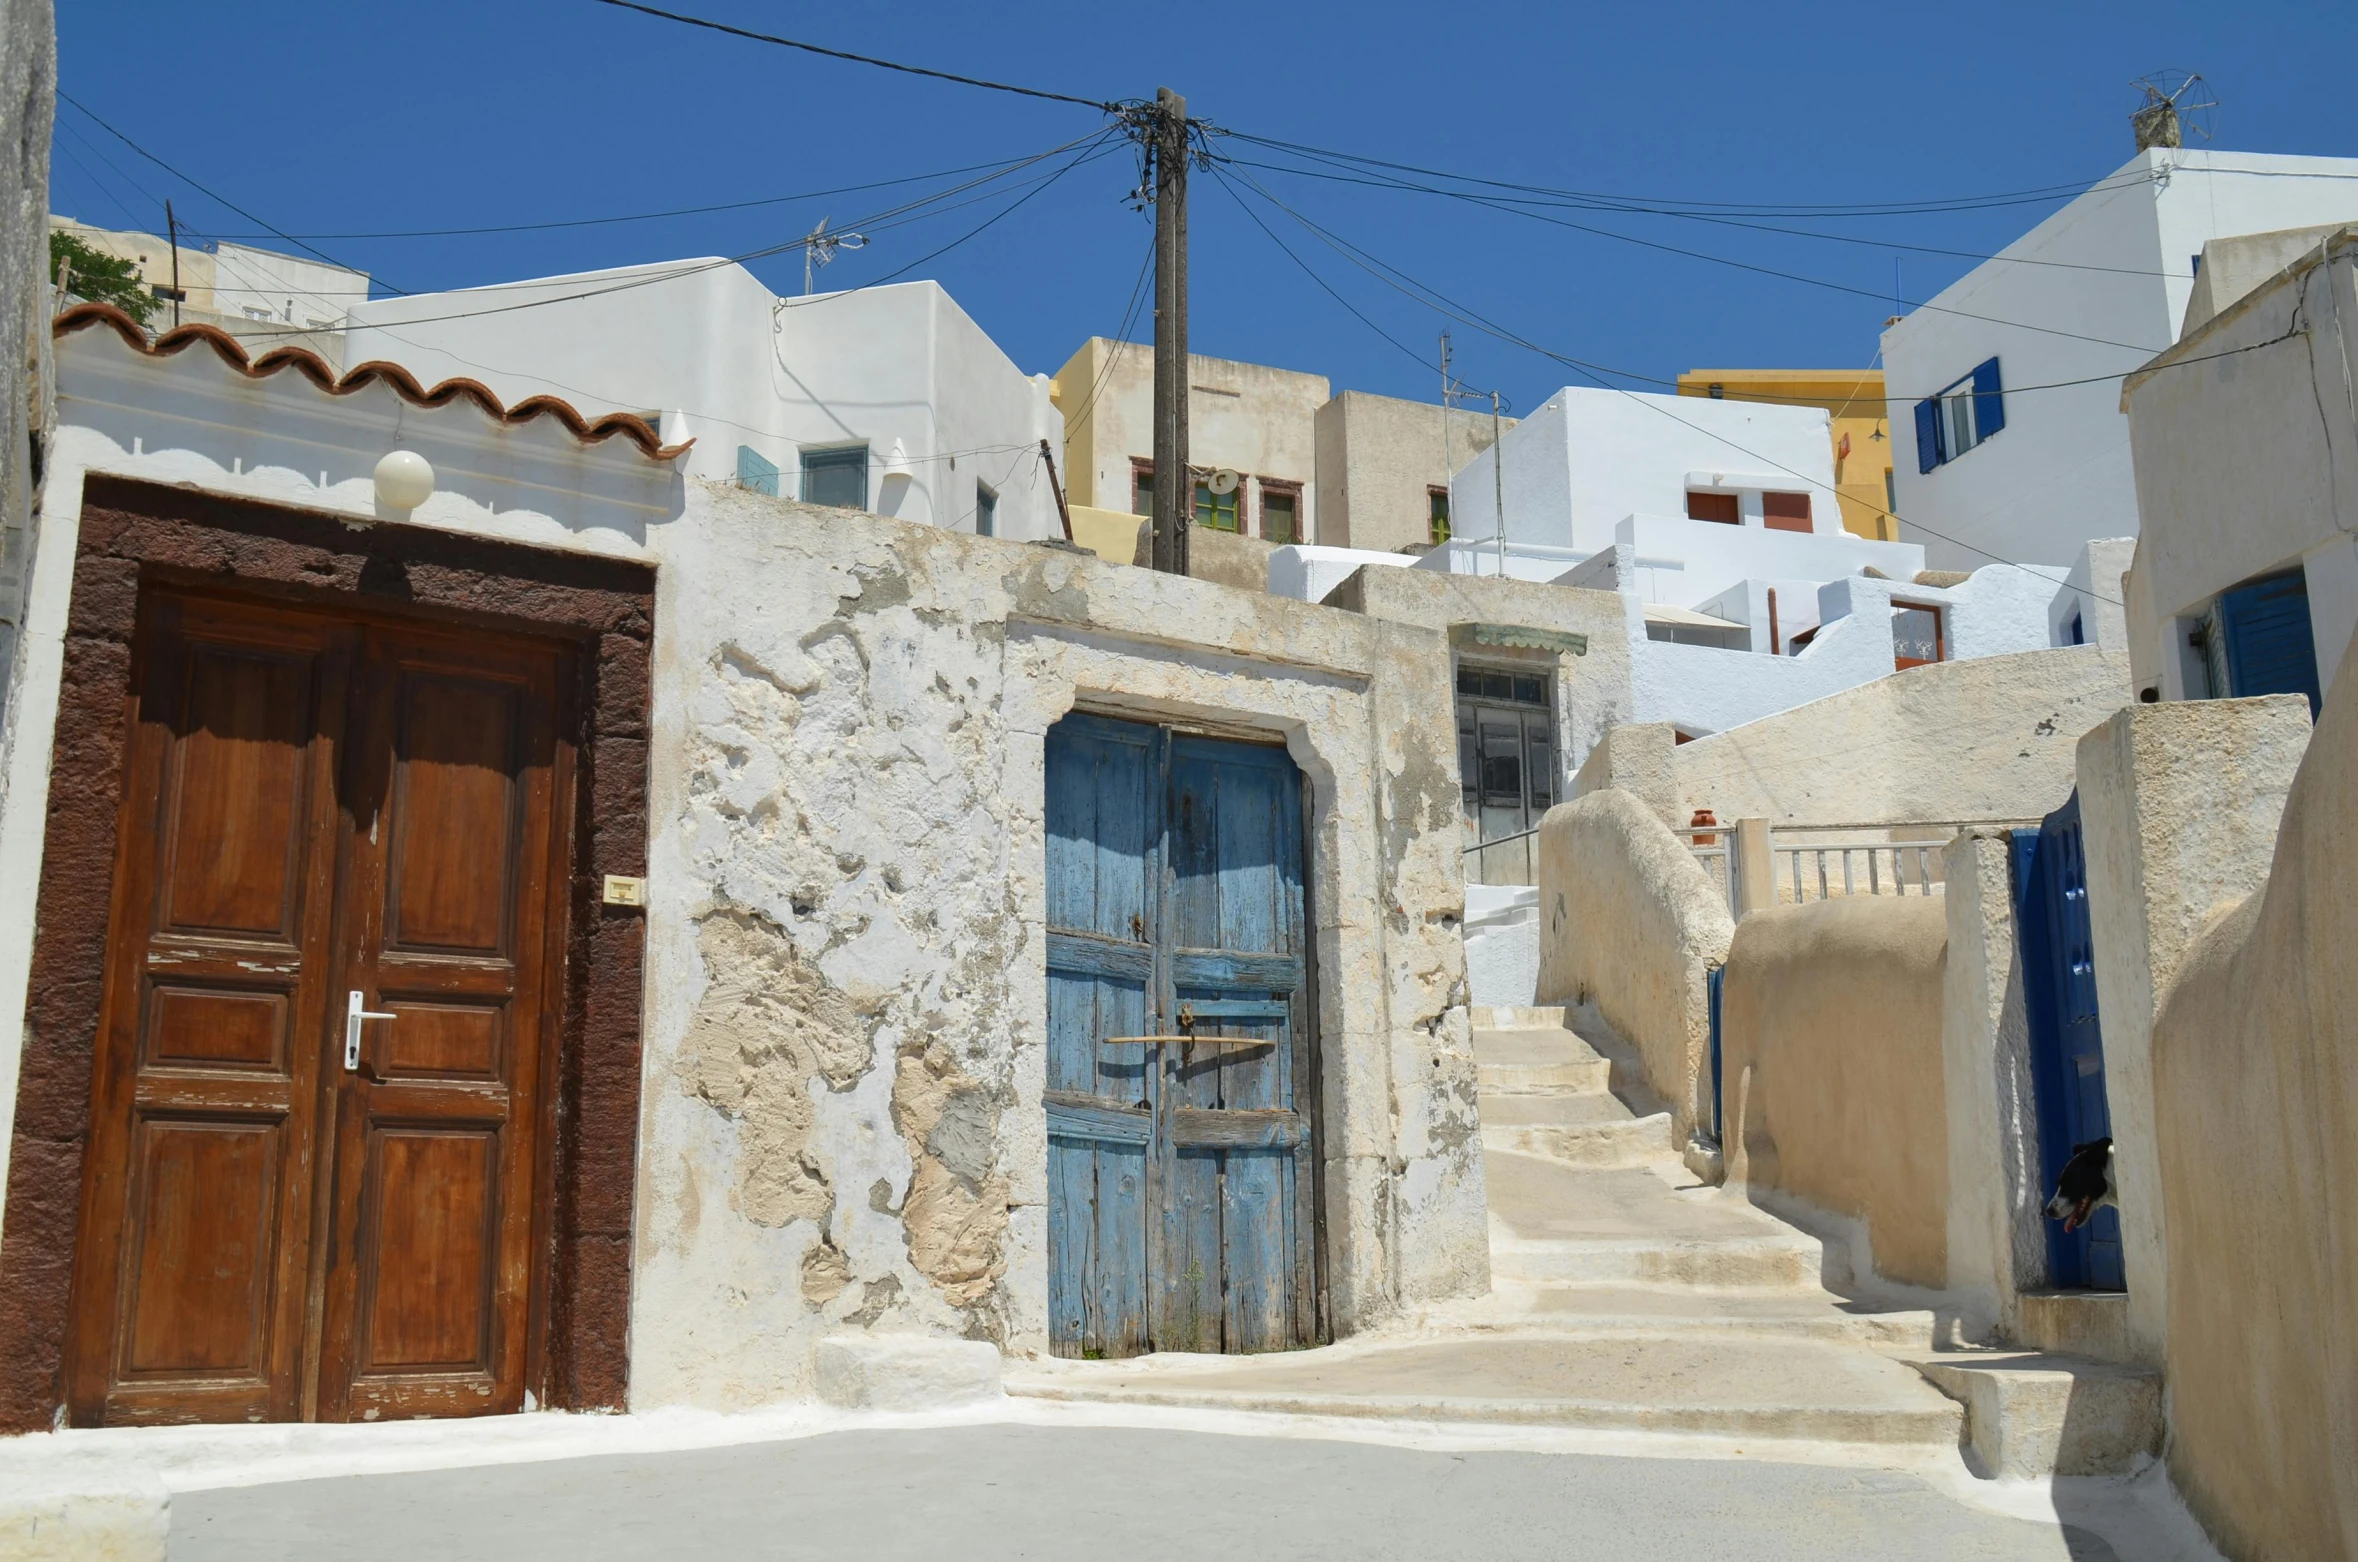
(172, 223)
(1498, 479)
(1174, 492)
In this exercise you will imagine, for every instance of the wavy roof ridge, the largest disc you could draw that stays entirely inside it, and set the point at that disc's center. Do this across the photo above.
(403, 383)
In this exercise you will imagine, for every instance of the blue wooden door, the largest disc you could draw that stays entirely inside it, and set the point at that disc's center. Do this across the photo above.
(2058, 949)
(1180, 1197)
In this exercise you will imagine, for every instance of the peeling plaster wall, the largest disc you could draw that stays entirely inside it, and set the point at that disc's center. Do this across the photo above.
(847, 989)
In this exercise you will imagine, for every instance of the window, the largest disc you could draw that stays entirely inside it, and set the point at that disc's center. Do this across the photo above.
(1959, 418)
(755, 473)
(986, 512)
(1218, 511)
(1281, 514)
(1714, 507)
(2257, 639)
(1437, 515)
(1915, 635)
(1506, 755)
(837, 477)
(1141, 487)
(1785, 512)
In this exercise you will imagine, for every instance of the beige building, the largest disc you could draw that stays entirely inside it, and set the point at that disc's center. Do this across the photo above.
(1384, 467)
(262, 298)
(1245, 418)
(1350, 471)
(1854, 402)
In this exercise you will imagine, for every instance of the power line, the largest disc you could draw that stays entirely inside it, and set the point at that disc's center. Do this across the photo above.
(1659, 405)
(1092, 146)
(677, 211)
(1871, 209)
(221, 199)
(1389, 182)
(860, 59)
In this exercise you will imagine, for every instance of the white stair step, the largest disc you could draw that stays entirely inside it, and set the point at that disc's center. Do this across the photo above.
(2030, 1415)
(1690, 1382)
(1522, 1061)
(1622, 1141)
(1748, 1263)
(1518, 1017)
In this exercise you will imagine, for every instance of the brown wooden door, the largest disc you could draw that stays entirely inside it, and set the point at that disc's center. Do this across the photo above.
(317, 805)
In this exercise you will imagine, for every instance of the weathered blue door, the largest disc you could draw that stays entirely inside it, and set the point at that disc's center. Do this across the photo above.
(1179, 1075)
(2058, 950)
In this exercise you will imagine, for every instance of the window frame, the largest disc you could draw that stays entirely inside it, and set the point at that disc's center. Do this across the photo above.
(834, 458)
(1282, 488)
(986, 510)
(1715, 496)
(1141, 487)
(1236, 506)
(1940, 634)
(1436, 513)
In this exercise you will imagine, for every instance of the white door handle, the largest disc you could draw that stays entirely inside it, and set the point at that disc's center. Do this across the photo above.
(353, 1015)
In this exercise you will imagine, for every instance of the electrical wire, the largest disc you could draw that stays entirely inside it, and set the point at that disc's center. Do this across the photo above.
(1440, 303)
(678, 211)
(860, 59)
(318, 254)
(1091, 148)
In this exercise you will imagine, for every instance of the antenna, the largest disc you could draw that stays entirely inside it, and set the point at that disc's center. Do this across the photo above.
(819, 247)
(2172, 102)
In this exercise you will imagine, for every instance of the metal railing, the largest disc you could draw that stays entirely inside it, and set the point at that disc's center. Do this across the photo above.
(1520, 865)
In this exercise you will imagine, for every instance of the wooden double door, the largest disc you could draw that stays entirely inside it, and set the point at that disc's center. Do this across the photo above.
(316, 1179)
(1180, 1091)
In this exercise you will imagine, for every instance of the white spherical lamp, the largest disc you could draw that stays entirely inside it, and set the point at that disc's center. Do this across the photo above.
(405, 480)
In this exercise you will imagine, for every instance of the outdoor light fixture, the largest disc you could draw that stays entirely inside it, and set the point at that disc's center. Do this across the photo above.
(405, 480)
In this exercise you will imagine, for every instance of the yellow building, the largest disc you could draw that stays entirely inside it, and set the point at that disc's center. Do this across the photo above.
(1862, 437)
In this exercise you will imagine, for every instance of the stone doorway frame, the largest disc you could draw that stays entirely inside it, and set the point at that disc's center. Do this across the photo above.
(132, 532)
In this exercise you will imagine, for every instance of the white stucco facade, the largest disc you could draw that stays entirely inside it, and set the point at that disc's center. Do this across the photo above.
(703, 346)
(2086, 296)
(2246, 443)
(846, 899)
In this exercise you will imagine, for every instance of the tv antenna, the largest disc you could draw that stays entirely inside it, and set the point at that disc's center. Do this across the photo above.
(819, 248)
(2174, 102)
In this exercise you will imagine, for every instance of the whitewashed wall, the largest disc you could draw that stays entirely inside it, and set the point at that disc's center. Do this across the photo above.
(2092, 291)
(726, 363)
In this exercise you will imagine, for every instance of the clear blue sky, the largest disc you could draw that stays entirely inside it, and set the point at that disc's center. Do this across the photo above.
(340, 119)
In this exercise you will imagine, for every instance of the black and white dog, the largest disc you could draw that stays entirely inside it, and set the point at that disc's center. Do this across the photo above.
(2086, 1185)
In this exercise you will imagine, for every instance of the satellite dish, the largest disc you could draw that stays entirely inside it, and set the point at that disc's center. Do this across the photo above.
(1224, 481)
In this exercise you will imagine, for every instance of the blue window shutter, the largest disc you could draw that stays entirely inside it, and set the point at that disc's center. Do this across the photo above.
(1989, 400)
(1928, 452)
(2270, 646)
(755, 473)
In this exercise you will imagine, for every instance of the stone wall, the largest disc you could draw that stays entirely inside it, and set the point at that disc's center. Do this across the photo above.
(1830, 1069)
(847, 996)
(2255, 1096)
(28, 92)
(1592, 688)
(1630, 923)
(1989, 738)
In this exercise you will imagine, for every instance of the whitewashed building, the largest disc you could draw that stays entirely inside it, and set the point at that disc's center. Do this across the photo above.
(2246, 442)
(1716, 522)
(2008, 438)
(888, 399)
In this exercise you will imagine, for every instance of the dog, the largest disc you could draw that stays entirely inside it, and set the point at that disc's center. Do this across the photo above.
(2086, 1185)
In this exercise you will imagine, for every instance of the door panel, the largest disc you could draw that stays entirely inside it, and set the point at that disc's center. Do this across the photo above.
(317, 804)
(202, 1241)
(1179, 1213)
(2067, 1041)
(451, 846)
(197, 1181)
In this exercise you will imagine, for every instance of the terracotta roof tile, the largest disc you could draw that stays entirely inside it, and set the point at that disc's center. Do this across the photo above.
(403, 384)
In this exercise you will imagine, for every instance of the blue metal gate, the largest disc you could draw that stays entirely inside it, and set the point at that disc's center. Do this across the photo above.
(1181, 1213)
(2058, 957)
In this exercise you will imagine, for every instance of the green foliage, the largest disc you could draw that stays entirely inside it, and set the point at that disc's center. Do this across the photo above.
(100, 278)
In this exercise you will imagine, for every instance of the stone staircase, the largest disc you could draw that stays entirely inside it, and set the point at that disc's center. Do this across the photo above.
(1625, 1297)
